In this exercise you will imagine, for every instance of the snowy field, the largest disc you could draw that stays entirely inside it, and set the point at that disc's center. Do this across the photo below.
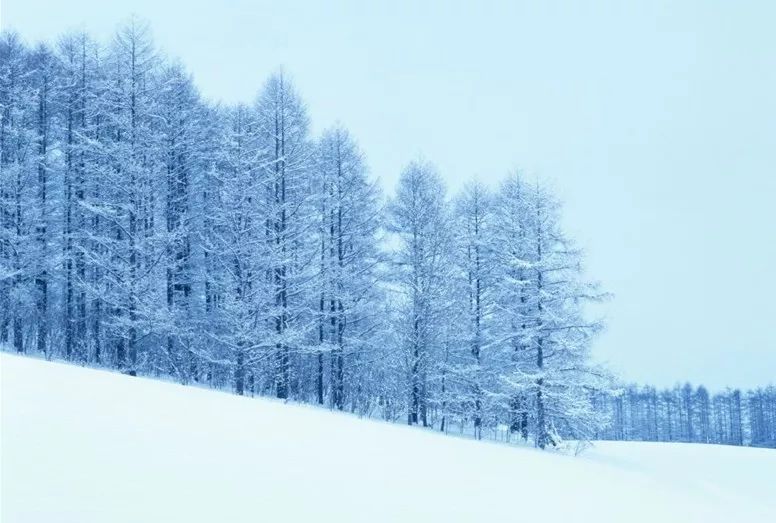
(81, 445)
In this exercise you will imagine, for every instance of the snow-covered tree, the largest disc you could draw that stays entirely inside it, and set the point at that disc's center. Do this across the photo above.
(129, 177)
(419, 217)
(470, 368)
(238, 290)
(541, 296)
(285, 172)
(82, 162)
(348, 297)
(44, 80)
(185, 151)
(19, 153)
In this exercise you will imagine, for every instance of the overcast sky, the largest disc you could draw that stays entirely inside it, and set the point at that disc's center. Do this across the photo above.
(656, 122)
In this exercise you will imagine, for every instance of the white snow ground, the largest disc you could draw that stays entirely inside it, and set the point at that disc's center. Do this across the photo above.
(81, 445)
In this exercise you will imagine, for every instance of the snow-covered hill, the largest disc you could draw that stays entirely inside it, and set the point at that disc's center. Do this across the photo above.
(81, 445)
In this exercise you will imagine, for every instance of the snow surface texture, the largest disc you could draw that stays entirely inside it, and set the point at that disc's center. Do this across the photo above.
(81, 445)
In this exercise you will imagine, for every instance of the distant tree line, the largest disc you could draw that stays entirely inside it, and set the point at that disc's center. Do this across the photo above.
(688, 414)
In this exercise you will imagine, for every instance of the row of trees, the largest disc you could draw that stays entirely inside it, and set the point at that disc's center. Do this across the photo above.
(691, 414)
(146, 230)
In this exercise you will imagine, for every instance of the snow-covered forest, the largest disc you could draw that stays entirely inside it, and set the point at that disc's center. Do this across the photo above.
(145, 229)
(692, 415)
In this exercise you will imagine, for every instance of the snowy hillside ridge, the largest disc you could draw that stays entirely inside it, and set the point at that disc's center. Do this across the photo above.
(500, 434)
(81, 445)
(636, 415)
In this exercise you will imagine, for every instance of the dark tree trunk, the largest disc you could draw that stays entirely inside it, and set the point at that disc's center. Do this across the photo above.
(239, 372)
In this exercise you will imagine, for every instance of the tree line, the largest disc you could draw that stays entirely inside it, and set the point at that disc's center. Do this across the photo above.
(688, 414)
(145, 229)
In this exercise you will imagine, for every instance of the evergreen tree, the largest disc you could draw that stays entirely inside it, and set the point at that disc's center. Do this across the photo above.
(285, 172)
(348, 297)
(418, 216)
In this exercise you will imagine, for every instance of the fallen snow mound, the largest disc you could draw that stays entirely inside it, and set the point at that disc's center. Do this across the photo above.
(82, 445)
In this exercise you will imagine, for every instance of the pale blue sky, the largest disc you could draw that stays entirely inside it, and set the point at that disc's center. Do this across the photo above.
(656, 120)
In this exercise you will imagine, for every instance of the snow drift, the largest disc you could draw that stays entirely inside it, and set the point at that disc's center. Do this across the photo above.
(80, 445)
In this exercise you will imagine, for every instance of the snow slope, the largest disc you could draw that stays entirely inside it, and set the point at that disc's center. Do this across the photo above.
(81, 445)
